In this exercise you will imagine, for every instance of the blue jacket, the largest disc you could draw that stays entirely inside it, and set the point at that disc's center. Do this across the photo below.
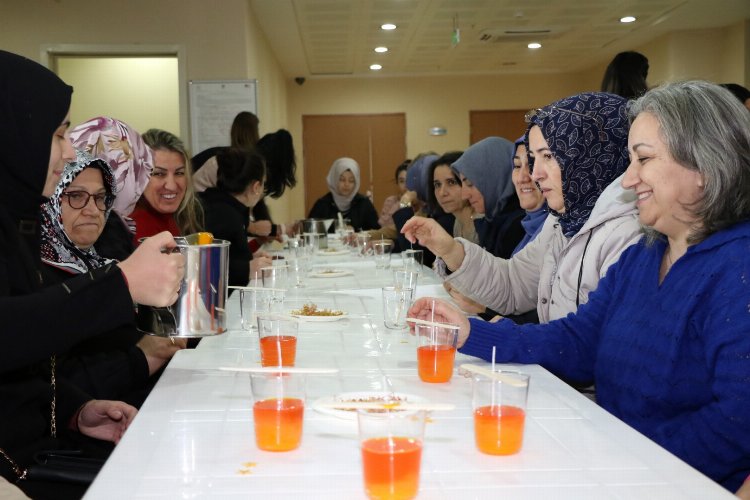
(672, 359)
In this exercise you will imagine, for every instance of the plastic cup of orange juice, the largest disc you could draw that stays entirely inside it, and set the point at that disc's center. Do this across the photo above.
(278, 340)
(391, 444)
(500, 412)
(436, 351)
(278, 409)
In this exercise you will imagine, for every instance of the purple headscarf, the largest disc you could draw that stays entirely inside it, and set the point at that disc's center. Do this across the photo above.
(588, 134)
(123, 148)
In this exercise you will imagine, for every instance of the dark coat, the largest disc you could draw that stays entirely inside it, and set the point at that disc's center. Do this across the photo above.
(227, 219)
(501, 235)
(107, 366)
(39, 322)
(361, 213)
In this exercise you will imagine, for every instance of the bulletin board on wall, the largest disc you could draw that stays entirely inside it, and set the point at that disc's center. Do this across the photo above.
(213, 106)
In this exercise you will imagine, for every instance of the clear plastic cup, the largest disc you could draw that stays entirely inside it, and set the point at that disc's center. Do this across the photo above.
(382, 251)
(436, 352)
(278, 340)
(500, 412)
(412, 259)
(278, 410)
(396, 303)
(391, 445)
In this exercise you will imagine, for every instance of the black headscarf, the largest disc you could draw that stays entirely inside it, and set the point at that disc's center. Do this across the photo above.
(33, 103)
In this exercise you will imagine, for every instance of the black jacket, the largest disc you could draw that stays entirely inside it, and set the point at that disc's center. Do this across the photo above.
(227, 219)
(107, 366)
(39, 322)
(501, 236)
(361, 213)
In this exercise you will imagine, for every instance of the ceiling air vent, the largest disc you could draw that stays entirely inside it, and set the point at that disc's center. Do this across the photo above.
(499, 35)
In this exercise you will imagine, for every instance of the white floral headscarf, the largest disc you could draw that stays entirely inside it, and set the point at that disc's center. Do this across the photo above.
(123, 148)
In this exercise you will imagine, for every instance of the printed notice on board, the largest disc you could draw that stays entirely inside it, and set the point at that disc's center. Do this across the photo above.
(213, 106)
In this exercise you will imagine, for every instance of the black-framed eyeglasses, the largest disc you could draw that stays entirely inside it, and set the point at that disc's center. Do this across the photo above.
(79, 199)
(543, 113)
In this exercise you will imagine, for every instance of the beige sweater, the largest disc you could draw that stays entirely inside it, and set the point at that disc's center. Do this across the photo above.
(545, 273)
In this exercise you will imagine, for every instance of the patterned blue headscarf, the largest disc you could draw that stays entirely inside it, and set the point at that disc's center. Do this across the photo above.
(588, 134)
(488, 164)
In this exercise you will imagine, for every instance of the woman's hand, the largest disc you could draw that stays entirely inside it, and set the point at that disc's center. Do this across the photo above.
(466, 304)
(260, 228)
(408, 198)
(430, 234)
(257, 264)
(439, 311)
(105, 420)
(261, 253)
(744, 491)
(154, 277)
(159, 350)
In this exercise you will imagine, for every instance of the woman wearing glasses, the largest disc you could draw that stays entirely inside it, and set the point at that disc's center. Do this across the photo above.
(577, 148)
(665, 335)
(38, 410)
(116, 365)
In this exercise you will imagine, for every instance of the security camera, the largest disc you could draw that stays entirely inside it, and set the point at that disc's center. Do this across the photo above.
(300, 80)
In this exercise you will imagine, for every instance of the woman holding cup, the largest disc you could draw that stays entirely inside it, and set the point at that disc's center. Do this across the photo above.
(665, 333)
(578, 147)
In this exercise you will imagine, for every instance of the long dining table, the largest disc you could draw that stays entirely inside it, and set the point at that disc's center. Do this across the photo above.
(193, 437)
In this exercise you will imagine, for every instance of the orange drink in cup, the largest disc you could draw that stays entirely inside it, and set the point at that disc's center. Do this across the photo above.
(436, 352)
(278, 340)
(500, 412)
(391, 444)
(278, 410)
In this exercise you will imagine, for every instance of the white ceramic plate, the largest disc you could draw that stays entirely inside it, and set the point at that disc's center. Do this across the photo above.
(362, 396)
(330, 273)
(320, 319)
(333, 252)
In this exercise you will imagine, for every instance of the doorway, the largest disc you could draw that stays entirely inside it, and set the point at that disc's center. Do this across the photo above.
(141, 91)
(509, 124)
(377, 142)
(144, 86)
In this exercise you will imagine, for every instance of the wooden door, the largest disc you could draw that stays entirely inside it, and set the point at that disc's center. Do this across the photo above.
(509, 124)
(376, 142)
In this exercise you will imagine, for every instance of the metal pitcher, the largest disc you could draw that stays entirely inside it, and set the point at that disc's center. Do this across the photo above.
(200, 307)
(318, 226)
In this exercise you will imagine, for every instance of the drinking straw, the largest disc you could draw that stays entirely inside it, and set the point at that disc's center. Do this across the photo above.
(279, 369)
(493, 371)
(356, 405)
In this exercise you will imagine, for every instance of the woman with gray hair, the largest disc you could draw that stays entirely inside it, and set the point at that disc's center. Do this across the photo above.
(665, 335)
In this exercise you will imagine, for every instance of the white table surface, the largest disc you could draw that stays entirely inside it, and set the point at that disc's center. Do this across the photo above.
(193, 438)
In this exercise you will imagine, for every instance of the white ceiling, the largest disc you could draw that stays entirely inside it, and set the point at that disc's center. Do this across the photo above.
(337, 37)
